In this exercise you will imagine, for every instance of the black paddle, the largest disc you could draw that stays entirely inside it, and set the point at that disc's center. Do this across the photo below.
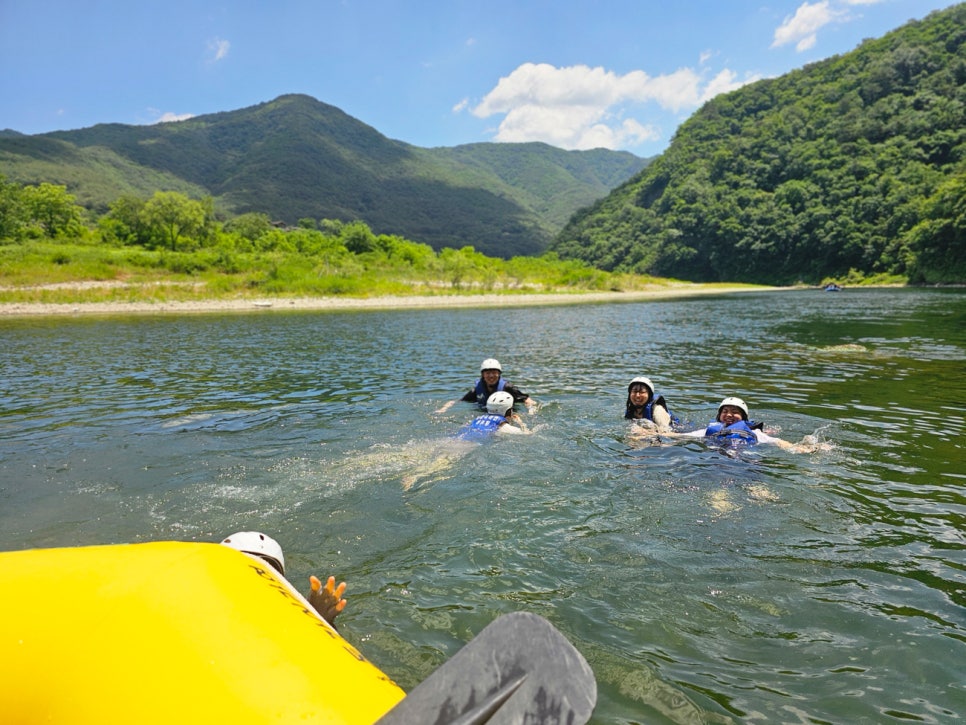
(518, 669)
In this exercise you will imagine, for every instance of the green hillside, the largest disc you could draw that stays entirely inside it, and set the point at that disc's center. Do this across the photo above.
(551, 181)
(96, 175)
(295, 158)
(854, 163)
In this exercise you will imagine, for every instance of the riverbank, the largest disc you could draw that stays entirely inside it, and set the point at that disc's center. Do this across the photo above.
(270, 304)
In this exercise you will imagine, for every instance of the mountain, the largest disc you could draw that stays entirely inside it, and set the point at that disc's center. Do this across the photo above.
(857, 162)
(296, 157)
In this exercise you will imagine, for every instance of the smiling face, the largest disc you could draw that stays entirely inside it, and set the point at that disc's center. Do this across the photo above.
(490, 377)
(639, 395)
(730, 414)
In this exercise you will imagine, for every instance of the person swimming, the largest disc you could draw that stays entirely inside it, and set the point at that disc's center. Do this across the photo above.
(643, 406)
(491, 381)
(733, 426)
(499, 418)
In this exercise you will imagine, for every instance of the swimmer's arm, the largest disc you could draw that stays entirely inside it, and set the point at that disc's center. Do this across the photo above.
(790, 447)
(469, 397)
(662, 419)
(517, 421)
(446, 406)
(786, 445)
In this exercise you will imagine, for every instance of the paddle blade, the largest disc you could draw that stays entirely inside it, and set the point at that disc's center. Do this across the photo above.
(519, 669)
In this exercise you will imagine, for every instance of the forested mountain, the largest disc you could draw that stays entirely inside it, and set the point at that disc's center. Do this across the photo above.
(857, 162)
(295, 158)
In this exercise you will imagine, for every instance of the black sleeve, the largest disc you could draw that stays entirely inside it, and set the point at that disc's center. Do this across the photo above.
(518, 395)
(470, 397)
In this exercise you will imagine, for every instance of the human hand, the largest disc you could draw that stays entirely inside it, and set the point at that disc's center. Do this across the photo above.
(327, 600)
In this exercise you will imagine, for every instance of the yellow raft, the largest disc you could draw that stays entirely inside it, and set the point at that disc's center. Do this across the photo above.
(172, 633)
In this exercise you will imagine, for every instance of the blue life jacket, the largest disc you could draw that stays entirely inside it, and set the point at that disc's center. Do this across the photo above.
(482, 395)
(481, 426)
(740, 433)
(649, 409)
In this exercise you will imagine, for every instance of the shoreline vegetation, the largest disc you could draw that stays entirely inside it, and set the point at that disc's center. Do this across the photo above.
(117, 298)
(69, 277)
(172, 255)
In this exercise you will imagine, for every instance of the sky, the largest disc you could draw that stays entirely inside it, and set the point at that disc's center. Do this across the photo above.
(576, 74)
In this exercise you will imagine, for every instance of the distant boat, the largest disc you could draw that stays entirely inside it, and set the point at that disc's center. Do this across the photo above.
(832, 287)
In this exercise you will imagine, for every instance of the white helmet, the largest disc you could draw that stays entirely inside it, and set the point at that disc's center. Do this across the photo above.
(499, 403)
(490, 364)
(258, 544)
(642, 381)
(737, 403)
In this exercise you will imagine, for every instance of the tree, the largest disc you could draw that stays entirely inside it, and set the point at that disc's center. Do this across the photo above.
(123, 221)
(52, 208)
(250, 225)
(358, 237)
(331, 227)
(11, 209)
(169, 215)
(938, 243)
(460, 263)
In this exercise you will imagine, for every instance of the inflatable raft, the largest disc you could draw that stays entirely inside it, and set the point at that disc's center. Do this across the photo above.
(172, 632)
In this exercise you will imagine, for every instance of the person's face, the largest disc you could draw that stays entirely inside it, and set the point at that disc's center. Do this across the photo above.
(639, 395)
(729, 414)
(490, 377)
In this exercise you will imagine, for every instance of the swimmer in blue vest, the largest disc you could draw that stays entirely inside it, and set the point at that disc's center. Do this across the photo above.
(499, 418)
(490, 381)
(646, 409)
(732, 427)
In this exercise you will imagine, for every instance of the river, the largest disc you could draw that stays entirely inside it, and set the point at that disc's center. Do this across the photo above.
(701, 585)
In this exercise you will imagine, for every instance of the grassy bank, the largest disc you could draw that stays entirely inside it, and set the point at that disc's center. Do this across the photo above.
(43, 272)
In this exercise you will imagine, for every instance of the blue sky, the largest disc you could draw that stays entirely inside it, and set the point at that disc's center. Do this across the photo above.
(619, 74)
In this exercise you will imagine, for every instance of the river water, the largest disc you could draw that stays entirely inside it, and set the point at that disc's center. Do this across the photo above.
(763, 586)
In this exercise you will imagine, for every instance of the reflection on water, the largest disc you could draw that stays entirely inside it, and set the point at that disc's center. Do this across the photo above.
(702, 587)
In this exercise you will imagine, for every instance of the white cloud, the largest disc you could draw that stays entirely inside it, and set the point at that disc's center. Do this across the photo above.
(802, 27)
(571, 127)
(218, 49)
(461, 106)
(725, 81)
(170, 117)
(578, 107)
